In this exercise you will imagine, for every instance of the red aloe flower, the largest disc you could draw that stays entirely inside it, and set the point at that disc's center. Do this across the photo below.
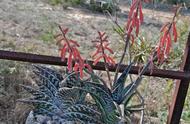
(167, 32)
(135, 19)
(174, 31)
(70, 46)
(102, 45)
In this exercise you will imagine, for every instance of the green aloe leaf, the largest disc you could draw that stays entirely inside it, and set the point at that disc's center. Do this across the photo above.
(103, 99)
(119, 85)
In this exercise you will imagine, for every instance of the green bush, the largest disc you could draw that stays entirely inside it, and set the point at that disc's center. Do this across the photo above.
(103, 5)
(66, 2)
(175, 1)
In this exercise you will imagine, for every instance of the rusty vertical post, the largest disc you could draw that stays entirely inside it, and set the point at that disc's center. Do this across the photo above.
(181, 89)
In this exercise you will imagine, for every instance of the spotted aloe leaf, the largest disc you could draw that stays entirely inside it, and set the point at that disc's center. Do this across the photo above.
(119, 85)
(65, 103)
(103, 99)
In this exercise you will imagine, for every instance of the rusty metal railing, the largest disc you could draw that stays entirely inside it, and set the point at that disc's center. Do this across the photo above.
(52, 60)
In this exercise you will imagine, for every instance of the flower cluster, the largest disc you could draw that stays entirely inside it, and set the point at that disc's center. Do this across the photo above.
(102, 45)
(135, 19)
(165, 43)
(70, 46)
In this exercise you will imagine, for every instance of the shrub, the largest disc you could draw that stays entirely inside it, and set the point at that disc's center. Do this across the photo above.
(103, 5)
(66, 3)
(175, 2)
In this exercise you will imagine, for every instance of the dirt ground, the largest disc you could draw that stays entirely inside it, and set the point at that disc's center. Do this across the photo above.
(23, 22)
(29, 26)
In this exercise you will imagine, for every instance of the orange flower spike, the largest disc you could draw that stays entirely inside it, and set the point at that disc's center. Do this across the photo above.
(130, 14)
(98, 50)
(162, 42)
(60, 40)
(137, 27)
(129, 31)
(88, 67)
(66, 30)
(70, 46)
(164, 27)
(105, 39)
(128, 24)
(110, 60)
(76, 53)
(140, 13)
(168, 45)
(76, 67)
(134, 5)
(161, 48)
(107, 48)
(101, 34)
(97, 60)
(174, 31)
(81, 71)
(95, 53)
(135, 18)
(165, 40)
(63, 52)
(101, 47)
(164, 37)
(69, 63)
(74, 43)
(133, 23)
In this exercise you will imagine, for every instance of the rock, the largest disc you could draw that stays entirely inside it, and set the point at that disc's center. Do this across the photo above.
(39, 119)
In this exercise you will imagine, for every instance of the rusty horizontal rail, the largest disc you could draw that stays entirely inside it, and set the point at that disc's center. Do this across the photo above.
(52, 60)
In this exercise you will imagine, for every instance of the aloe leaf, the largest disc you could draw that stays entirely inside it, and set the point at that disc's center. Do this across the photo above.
(42, 104)
(119, 85)
(84, 117)
(131, 89)
(126, 101)
(56, 74)
(121, 80)
(46, 81)
(71, 79)
(38, 95)
(94, 77)
(54, 77)
(83, 109)
(103, 99)
(43, 111)
(69, 95)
